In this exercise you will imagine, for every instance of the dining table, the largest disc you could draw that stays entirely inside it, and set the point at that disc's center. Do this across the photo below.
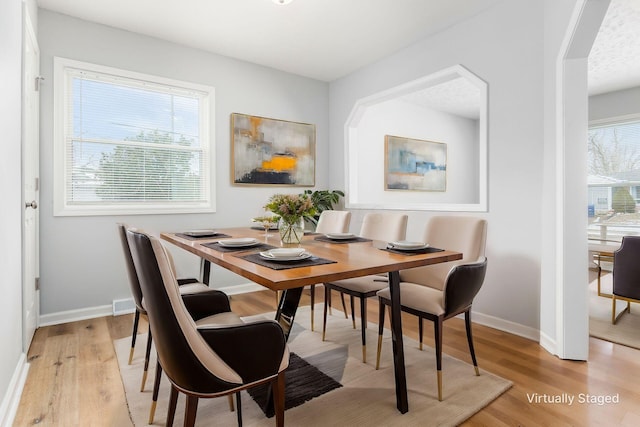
(326, 260)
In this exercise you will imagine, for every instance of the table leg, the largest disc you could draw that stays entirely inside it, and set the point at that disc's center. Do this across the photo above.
(205, 269)
(398, 348)
(287, 307)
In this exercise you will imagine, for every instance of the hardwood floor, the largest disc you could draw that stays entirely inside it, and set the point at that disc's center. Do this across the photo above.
(74, 380)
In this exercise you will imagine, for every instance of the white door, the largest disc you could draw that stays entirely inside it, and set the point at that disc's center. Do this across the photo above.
(30, 184)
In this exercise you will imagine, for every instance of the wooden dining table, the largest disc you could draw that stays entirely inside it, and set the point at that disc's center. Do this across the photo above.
(332, 260)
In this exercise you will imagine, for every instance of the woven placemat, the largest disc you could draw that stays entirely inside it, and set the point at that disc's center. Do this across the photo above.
(284, 265)
(209, 236)
(428, 250)
(218, 247)
(354, 239)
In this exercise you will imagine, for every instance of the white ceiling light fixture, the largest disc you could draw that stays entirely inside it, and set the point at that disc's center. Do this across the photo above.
(282, 2)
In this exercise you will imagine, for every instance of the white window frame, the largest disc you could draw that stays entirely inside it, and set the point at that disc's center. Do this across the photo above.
(61, 116)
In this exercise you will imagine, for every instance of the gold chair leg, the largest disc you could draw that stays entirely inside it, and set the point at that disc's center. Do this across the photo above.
(152, 411)
(144, 380)
(364, 354)
(131, 354)
(477, 371)
(440, 386)
(231, 406)
(379, 351)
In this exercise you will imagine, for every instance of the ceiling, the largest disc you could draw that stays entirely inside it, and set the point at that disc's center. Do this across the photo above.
(321, 39)
(328, 39)
(614, 61)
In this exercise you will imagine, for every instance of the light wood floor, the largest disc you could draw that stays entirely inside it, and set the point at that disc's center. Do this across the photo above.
(74, 379)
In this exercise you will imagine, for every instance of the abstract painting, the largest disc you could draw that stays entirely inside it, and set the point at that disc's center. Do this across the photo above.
(414, 164)
(272, 152)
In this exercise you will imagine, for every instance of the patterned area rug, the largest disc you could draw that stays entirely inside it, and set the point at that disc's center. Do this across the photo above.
(367, 395)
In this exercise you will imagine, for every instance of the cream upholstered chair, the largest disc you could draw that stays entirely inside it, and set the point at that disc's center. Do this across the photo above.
(386, 227)
(461, 286)
(205, 355)
(330, 221)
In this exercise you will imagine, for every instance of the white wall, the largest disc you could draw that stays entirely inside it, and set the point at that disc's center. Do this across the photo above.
(502, 46)
(400, 118)
(616, 104)
(11, 356)
(81, 261)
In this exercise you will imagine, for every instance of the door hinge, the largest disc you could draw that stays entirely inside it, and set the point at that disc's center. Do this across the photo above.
(38, 82)
(37, 283)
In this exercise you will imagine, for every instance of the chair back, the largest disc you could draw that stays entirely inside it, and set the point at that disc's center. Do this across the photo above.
(331, 221)
(462, 285)
(388, 227)
(626, 268)
(467, 235)
(184, 355)
(134, 284)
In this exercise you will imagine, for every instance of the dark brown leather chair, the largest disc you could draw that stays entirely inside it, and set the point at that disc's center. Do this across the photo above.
(205, 356)
(461, 286)
(626, 275)
(187, 286)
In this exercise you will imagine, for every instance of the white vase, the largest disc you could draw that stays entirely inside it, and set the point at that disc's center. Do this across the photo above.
(291, 232)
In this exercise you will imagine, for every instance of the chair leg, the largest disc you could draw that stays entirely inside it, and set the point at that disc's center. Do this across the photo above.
(437, 328)
(231, 405)
(190, 411)
(278, 386)
(380, 331)
(146, 359)
(353, 312)
(344, 307)
(312, 289)
(156, 389)
(134, 334)
(173, 401)
(239, 405)
(363, 317)
(327, 302)
(420, 330)
(467, 323)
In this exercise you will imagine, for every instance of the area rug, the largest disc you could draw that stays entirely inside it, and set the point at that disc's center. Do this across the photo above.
(626, 331)
(366, 398)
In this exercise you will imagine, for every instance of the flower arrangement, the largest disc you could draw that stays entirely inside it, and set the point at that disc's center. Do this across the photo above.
(291, 207)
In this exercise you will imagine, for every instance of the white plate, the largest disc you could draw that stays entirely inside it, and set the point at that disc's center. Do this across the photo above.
(408, 246)
(238, 243)
(200, 233)
(340, 236)
(285, 252)
(281, 258)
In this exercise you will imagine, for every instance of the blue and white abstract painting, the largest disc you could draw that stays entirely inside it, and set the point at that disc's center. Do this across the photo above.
(415, 164)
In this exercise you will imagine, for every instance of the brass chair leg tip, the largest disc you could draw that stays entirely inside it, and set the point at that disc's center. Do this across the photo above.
(477, 371)
(152, 412)
(144, 380)
(131, 355)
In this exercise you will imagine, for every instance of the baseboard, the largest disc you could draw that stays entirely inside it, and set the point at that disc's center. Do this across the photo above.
(124, 306)
(75, 315)
(11, 400)
(548, 343)
(506, 326)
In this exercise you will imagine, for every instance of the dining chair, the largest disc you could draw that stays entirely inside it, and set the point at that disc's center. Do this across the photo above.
(330, 221)
(387, 227)
(464, 234)
(626, 275)
(461, 286)
(205, 356)
(187, 286)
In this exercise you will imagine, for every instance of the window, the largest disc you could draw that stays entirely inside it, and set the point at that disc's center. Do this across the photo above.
(614, 179)
(129, 143)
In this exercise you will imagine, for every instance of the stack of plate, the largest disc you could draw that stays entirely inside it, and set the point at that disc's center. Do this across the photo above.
(285, 254)
(340, 236)
(405, 245)
(242, 242)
